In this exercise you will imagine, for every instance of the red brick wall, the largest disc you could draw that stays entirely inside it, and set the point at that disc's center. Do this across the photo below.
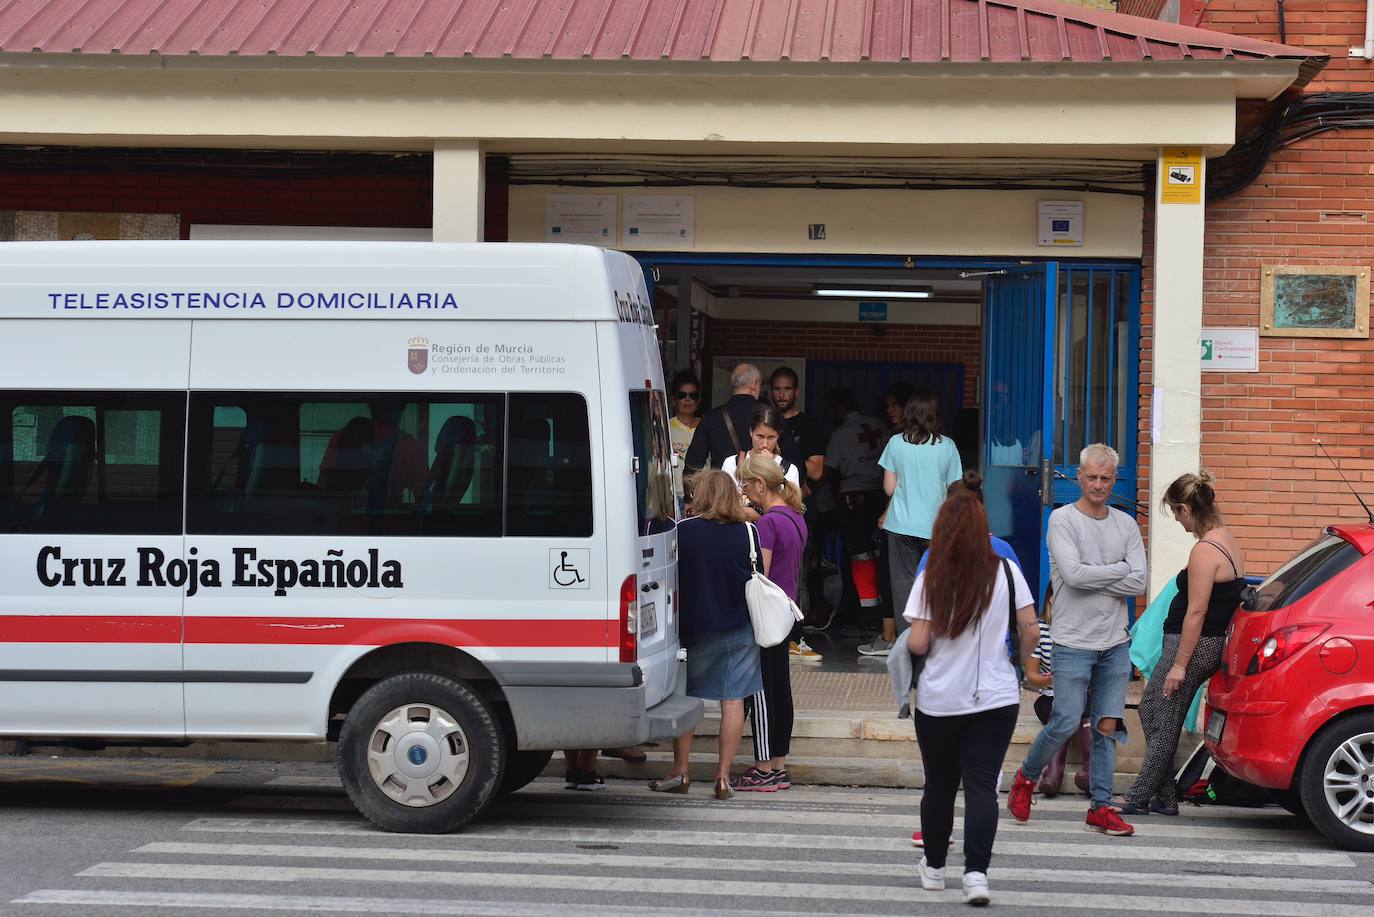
(837, 341)
(1257, 428)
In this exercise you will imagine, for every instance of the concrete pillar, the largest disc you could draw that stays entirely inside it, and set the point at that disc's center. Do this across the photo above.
(1176, 405)
(459, 191)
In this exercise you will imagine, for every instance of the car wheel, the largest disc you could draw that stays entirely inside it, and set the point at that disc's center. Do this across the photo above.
(1291, 800)
(1337, 782)
(420, 753)
(521, 768)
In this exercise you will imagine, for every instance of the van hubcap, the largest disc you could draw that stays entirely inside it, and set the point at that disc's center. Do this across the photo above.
(1349, 782)
(418, 755)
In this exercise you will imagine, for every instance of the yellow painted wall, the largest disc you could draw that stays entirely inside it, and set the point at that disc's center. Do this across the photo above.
(996, 223)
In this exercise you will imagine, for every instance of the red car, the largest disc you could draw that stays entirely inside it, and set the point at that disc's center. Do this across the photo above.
(1292, 707)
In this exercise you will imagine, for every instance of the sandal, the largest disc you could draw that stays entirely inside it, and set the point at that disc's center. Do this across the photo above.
(677, 783)
(631, 754)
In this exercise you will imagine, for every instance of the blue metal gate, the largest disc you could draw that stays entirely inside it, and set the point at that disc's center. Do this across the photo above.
(1018, 328)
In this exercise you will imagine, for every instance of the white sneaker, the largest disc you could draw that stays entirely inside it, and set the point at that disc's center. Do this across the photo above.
(932, 880)
(976, 889)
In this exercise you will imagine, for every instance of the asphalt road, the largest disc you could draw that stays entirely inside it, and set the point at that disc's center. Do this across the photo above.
(157, 837)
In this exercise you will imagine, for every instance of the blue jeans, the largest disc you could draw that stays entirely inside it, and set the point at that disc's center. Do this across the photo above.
(1080, 677)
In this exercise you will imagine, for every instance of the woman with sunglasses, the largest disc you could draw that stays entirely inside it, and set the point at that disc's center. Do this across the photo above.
(686, 391)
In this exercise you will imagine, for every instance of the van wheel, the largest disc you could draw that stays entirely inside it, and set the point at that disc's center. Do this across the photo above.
(420, 753)
(1337, 782)
(521, 768)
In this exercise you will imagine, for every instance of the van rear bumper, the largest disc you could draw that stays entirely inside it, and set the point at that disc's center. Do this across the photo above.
(572, 715)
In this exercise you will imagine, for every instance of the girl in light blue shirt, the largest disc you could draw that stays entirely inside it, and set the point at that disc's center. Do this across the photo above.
(918, 466)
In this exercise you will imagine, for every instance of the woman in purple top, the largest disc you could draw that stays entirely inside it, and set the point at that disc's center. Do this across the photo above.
(782, 535)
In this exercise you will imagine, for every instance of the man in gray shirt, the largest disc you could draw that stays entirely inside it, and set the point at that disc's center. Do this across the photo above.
(1097, 562)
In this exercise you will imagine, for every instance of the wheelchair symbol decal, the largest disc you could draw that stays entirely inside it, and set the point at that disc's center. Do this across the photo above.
(569, 569)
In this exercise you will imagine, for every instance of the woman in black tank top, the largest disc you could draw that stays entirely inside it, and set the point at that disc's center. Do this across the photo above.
(1194, 637)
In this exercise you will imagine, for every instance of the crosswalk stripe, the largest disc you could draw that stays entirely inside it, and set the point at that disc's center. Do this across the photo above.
(908, 820)
(712, 886)
(648, 864)
(199, 901)
(629, 792)
(1283, 831)
(1116, 849)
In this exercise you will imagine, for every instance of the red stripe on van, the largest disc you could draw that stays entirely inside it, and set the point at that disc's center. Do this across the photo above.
(90, 629)
(386, 631)
(299, 631)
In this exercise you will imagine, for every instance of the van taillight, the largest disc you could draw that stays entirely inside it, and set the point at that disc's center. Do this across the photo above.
(629, 620)
(1283, 643)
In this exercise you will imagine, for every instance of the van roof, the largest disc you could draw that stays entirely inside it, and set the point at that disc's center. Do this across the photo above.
(319, 280)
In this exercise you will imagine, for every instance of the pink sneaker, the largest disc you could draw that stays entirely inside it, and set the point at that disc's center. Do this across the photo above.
(756, 781)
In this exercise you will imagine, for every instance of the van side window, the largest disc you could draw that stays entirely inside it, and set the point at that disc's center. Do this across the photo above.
(91, 463)
(654, 450)
(549, 482)
(345, 463)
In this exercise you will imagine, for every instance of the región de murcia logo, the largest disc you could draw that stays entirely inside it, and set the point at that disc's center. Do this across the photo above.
(417, 355)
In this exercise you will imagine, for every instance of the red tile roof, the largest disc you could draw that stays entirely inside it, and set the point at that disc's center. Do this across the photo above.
(923, 31)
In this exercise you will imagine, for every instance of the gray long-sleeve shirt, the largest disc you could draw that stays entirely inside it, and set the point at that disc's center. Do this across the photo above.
(1095, 564)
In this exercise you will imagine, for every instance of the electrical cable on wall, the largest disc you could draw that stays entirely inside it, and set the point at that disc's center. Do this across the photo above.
(1304, 117)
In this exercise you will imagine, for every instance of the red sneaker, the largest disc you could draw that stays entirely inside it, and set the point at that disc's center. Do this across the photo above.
(1021, 797)
(1106, 820)
(918, 841)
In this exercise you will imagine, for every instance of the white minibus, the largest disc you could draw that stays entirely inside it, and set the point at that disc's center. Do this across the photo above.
(412, 497)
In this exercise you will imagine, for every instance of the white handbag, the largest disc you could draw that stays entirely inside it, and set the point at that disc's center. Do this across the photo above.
(771, 612)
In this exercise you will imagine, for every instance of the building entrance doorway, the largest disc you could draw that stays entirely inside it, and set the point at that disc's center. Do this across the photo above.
(1032, 360)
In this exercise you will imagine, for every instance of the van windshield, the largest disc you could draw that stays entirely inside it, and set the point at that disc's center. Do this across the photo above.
(653, 451)
(1312, 567)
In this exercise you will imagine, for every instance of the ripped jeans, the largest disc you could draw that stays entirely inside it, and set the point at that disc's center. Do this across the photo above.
(1081, 676)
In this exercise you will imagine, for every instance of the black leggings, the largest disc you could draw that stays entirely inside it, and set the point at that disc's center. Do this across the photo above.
(770, 710)
(970, 748)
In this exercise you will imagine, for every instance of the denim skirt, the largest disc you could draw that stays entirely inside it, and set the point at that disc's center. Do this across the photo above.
(724, 666)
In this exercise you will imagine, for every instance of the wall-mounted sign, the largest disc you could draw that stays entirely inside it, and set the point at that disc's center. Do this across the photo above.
(872, 311)
(1060, 224)
(655, 221)
(585, 218)
(1230, 350)
(1181, 175)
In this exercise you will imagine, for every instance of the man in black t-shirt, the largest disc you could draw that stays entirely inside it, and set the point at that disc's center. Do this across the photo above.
(810, 443)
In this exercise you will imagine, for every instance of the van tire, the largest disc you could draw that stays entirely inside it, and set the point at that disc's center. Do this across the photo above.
(437, 750)
(1319, 760)
(521, 768)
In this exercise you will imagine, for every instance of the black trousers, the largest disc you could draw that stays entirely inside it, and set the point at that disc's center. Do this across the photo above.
(770, 711)
(970, 748)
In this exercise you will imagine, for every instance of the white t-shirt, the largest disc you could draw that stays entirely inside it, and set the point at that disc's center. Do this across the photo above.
(972, 672)
(728, 466)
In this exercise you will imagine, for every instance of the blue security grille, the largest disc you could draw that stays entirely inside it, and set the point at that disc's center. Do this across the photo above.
(1096, 348)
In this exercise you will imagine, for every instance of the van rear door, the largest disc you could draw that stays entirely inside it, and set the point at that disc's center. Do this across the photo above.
(657, 542)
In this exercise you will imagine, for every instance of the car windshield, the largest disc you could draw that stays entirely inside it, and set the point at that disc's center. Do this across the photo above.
(1312, 567)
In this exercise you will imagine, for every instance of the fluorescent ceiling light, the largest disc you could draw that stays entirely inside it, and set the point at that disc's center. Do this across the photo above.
(873, 294)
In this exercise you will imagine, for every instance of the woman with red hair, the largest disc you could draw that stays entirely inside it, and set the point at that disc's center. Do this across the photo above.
(967, 696)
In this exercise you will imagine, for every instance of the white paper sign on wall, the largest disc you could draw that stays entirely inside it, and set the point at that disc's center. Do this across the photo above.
(1230, 350)
(1060, 224)
(658, 221)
